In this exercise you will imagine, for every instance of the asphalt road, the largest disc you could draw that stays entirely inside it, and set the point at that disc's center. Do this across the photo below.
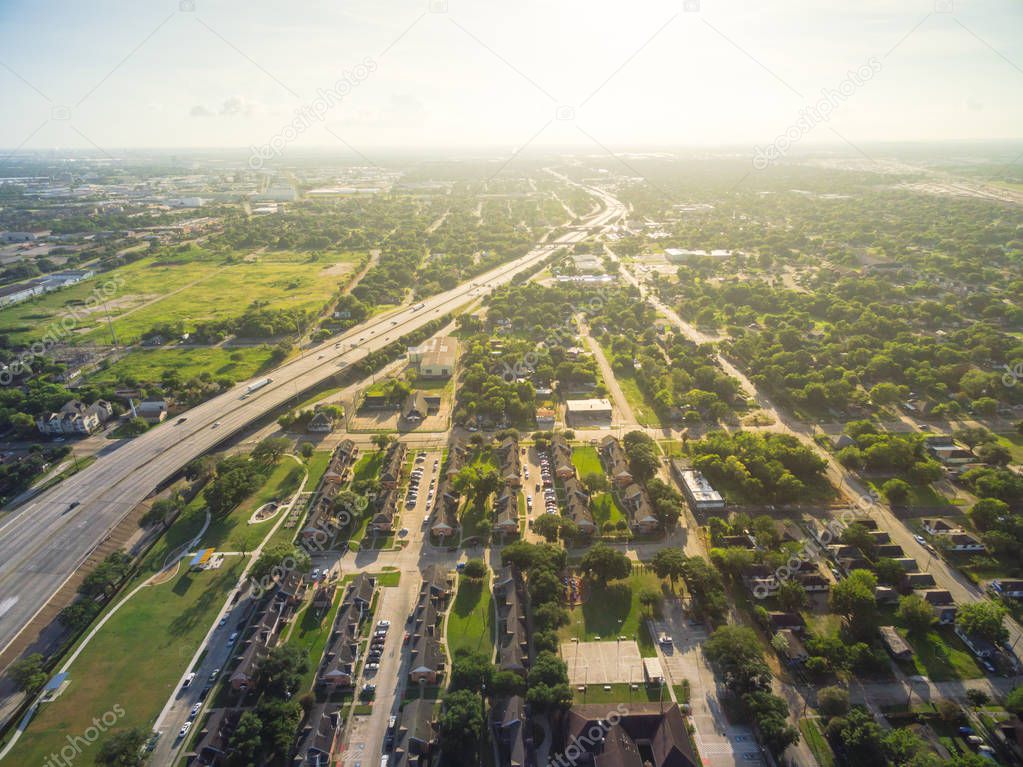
(45, 541)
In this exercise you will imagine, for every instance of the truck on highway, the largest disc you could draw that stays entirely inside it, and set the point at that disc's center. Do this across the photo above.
(417, 307)
(257, 385)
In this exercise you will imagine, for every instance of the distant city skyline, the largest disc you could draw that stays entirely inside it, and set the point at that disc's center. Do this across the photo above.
(772, 79)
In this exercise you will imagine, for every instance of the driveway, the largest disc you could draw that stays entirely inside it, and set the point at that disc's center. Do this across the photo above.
(720, 743)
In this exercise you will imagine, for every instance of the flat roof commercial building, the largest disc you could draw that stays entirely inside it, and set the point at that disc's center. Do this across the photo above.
(699, 493)
(587, 411)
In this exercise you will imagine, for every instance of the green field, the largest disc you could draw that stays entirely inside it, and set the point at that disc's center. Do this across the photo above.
(612, 611)
(586, 461)
(621, 692)
(470, 622)
(919, 495)
(1014, 442)
(642, 408)
(605, 508)
(168, 622)
(941, 656)
(149, 364)
(310, 634)
(817, 743)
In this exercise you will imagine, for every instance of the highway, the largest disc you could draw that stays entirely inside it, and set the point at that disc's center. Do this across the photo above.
(45, 541)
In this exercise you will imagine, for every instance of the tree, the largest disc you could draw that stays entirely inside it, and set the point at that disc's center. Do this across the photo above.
(547, 526)
(670, 564)
(247, 739)
(988, 513)
(854, 598)
(602, 564)
(896, 490)
(977, 698)
(1014, 701)
(470, 671)
(994, 454)
(650, 599)
(889, 571)
(277, 558)
(984, 619)
(833, 701)
(271, 449)
(505, 684)
(736, 652)
(381, 441)
(475, 569)
(280, 720)
(29, 673)
(916, 614)
(461, 722)
(549, 616)
(545, 587)
(280, 672)
(595, 482)
(791, 596)
(771, 716)
(123, 748)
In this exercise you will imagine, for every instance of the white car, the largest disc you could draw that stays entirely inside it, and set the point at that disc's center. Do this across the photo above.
(194, 711)
(383, 624)
(184, 729)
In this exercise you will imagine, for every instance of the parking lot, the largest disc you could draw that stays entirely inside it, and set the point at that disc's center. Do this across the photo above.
(606, 662)
(720, 743)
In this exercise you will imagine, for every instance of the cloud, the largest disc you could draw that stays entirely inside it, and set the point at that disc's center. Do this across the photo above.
(199, 111)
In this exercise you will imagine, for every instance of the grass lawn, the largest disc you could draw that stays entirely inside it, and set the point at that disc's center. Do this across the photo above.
(612, 611)
(641, 406)
(316, 465)
(368, 465)
(150, 364)
(1014, 442)
(67, 471)
(620, 692)
(941, 656)
(605, 508)
(134, 661)
(586, 461)
(919, 495)
(817, 743)
(470, 622)
(233, 532)
(311, 632)
(185, 528)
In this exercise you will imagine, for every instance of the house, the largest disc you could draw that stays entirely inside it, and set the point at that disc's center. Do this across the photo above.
(340, 655)
(74, 418)
(561, 457)
(1007, 588)
(257, 646)
(387, 510)
(545, 418)
(426, 660)
(213, 746)
(416, 737)
(458, 453)
(415, 407)
(640, 512)
(897, 646)
(153, 409)
(963, 541)
(508, 718)
(699, 493)
(506, 513)
(320, 423)
(942, 604)
(616, 464)
(950, 453)
(886, 595)
(587, 412)
(436, 582)
(918, 581)
(792, 646)
(435, 357)
(577, 506)
(102, 409)
(509, 462)
(360, 591)
(323, 596)
(648, 733)
(445, 510)
(888, 551)
(879, 537)
(792, 621)
(291, 588)
(393, 462)
(512, 628)
(320, 736)
(939, 526)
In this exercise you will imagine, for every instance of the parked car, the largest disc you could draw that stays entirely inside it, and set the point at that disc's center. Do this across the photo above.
(184, 729)
(189, 678)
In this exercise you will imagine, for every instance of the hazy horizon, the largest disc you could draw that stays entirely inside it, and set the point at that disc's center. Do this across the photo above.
(436, 75)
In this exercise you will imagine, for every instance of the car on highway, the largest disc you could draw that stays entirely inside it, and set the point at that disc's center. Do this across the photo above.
(383, 624)
(189, 677)
(73, 505)
(215, 424)
(181, 420)
(214, 674)
(194, 711)
(231, 639)
(920, 539)
(184, 729)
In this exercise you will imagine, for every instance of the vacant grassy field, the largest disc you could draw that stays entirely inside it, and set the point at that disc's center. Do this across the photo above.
(134, 662)
(586, 461)
(621, 692)
(149, 364)
(605, 508)
(642, 408)
(942, 656)
(470, 622)
(919, 495)
(1014, 442)
(818, 744)
(316, 465)
(613, 611)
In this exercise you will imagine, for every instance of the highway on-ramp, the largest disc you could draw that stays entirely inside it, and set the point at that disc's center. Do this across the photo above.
(45, 541)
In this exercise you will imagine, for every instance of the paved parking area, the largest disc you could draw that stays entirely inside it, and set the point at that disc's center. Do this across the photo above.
(603, 662)
(720, 743)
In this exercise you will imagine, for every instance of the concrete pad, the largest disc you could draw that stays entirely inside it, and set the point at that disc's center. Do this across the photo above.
(605, 662)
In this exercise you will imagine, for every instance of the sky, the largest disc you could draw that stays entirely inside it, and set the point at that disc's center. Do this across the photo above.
(366, 74)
